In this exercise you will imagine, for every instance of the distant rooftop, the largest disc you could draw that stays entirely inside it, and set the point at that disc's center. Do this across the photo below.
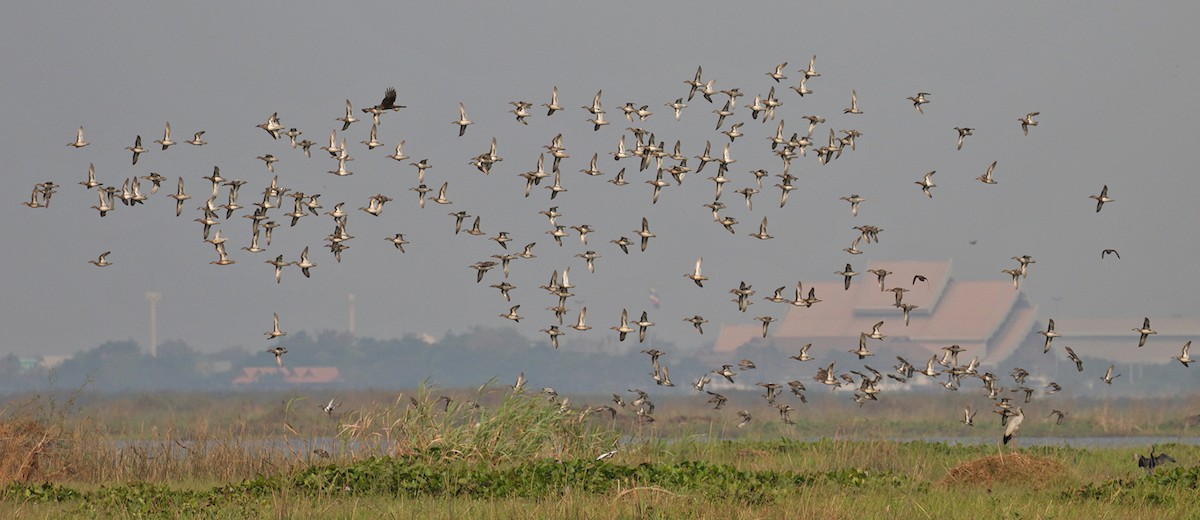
(1113, 339)
(988, 318)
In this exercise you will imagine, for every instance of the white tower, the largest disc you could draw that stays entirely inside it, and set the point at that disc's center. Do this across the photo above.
(153, 298)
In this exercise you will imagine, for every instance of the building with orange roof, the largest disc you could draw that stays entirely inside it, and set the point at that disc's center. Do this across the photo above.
(987, 318)
(1113, 340)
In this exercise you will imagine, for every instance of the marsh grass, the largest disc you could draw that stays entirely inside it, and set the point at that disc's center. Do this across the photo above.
(42, 440)
(487, 429)
(493, 453)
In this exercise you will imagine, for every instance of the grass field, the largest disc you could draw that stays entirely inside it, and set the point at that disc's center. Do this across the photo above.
(521, 456)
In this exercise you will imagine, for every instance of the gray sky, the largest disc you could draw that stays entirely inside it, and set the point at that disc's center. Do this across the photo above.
(1113, 83)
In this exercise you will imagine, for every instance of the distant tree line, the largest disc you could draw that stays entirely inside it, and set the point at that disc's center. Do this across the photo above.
(464, 359)
(484, 354)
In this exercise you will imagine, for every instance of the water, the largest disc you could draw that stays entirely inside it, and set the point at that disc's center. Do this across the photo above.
(1074, 442)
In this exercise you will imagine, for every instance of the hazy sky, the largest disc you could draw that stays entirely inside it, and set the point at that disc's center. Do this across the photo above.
(1113, 81)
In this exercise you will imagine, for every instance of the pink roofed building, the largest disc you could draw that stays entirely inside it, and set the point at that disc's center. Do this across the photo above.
(988, 318)
(1113, 339)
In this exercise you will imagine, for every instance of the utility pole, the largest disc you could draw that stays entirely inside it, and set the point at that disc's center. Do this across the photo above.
(153, 298)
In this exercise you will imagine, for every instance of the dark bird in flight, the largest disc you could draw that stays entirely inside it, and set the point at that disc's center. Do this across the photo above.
(388, 103)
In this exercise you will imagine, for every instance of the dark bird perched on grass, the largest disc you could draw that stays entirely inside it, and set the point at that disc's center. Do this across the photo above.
(1153, 461)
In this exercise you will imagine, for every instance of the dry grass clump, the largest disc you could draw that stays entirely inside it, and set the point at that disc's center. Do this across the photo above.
(1014, 467)
(22, 444)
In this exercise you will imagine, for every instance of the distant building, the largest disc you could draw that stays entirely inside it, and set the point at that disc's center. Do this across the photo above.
(53, 361)
(987, 318)
(288, 375)
(1113, 340)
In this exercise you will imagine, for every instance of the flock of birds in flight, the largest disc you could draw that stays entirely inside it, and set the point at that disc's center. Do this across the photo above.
(647, 152)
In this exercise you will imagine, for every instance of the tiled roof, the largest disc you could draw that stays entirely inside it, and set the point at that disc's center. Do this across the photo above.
(980, 313)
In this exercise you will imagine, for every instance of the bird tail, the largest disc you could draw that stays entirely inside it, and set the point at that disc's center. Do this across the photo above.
(1007, 438)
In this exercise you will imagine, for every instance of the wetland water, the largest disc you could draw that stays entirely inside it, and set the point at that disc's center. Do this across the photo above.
(334, 446)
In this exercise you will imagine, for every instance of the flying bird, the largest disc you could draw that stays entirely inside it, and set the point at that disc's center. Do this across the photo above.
(1050, 334)
(1101, 198)
(462, 120)
(1145, 332)
(853, 104)
(624, 328)
(553, 105)
(766, 322)
(279, 352)
(1028, 121)
(1108, 375)
(986, 178)
(102, 261)
(275, 332)
(554, 334)
(1183, 356)
(847, 274)
(854, 201)
(927, 184)
(777, 74)
(79, 142)
(695, 275)
(803, 356)
(1074, 358)
(644, 233)
(1059, 416)
(166, 141)
(388, 102)
(743, 418)
(963, 132)
(348, 118)
(919, 100)
(136, 149)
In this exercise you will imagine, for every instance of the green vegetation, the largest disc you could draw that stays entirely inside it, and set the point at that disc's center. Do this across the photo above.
(492, 453)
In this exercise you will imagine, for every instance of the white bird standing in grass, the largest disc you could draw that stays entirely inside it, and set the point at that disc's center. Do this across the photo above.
(1013, 425)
